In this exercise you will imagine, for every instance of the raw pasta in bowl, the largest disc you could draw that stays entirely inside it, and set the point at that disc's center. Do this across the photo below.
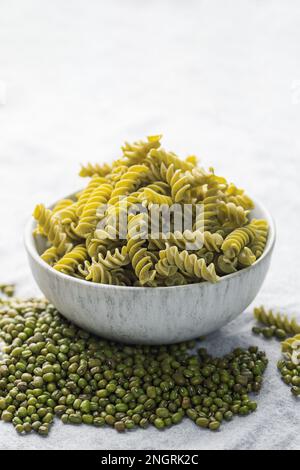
(151, 219)
(154, 250)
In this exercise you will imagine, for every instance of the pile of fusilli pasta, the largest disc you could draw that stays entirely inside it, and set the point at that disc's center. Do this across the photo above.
(86, 238)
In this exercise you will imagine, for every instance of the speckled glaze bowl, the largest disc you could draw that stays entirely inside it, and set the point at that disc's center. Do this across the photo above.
(144, 315)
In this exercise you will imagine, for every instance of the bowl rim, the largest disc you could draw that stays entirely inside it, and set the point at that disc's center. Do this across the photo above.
(32, 251)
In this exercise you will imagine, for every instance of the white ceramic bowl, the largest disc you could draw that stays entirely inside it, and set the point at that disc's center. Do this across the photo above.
(159, 315)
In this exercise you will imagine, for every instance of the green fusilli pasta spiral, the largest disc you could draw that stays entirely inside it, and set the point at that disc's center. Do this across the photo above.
(192, 241)
(97, 246)
(282, 322)
(168, 158)
(139, 256)
(68, 214)
(238, 197)
(50, 256)
(52, 229)
(236, 215)
(90, 170)
(262, 231)
(97, 273)
(86, 193)
(137, 152)
(246, 257)
(88, 220)
(62, 204)
(128, 182)
(115, 260)
(208, 219)
(152, 196)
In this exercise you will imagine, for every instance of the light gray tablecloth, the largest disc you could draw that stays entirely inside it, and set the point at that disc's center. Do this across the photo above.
(219, 79)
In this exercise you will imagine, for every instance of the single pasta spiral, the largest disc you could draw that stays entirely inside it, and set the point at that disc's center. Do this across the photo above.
(139, 256)
(232, 213)
(128, 182)
(50, 256)
(138, 151)
(280, 321)
(168, 158)
(90, 170)
(192, 241)
(88, 221)
(99, 274)
(238, 197)
(179, 183)
(69, 263)
(115, 260)
(262, 231)
(62, 204)
(207, 220)
(95, 182)
(68, 214)
(153, 197)
(237, 240)
(246, 257)
(96, 246)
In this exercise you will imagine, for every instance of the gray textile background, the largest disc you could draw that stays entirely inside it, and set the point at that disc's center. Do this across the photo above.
(219, 79)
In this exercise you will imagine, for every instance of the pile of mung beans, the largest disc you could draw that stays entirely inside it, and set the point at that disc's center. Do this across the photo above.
(50, 368)
(289, 366)
(290, 374)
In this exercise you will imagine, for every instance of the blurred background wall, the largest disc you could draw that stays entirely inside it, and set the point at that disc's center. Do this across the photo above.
(220, 79)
